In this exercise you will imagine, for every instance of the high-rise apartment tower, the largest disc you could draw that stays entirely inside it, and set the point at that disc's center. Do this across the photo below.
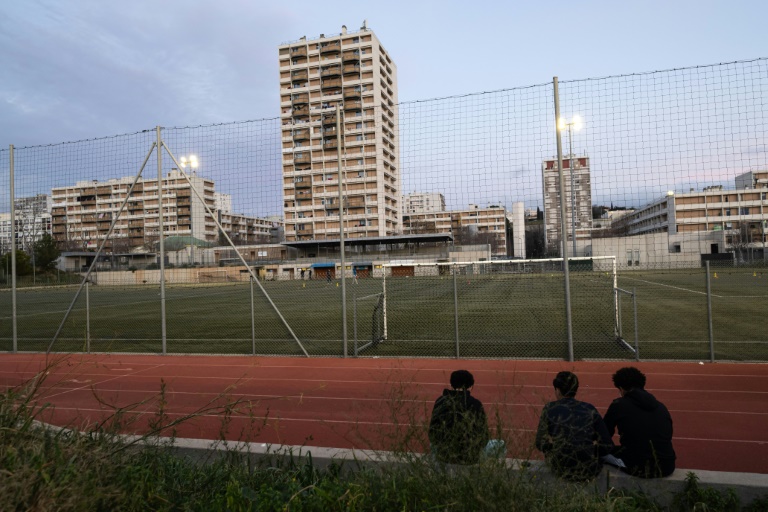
(351, 70)
(578, 202)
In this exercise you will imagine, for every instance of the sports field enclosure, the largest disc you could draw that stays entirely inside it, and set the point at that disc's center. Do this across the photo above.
(502, 313)
(653, 186)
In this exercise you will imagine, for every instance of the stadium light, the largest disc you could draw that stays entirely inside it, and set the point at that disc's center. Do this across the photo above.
(191, 160)
(575, 124)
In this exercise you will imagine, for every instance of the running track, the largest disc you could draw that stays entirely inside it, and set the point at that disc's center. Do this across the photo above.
(720, 411)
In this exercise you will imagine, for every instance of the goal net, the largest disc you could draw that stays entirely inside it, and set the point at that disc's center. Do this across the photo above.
(368, 321)
(214, 276)
(506, 308)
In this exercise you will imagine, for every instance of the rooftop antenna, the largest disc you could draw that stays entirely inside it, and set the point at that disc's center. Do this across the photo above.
(365, 25)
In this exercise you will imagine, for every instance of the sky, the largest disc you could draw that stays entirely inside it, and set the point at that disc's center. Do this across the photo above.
(75, 70)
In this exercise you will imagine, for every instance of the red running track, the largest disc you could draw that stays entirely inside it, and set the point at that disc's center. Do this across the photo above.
(720, 411)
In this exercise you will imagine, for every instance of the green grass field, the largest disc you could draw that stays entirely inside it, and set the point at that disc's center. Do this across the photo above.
(499, 315)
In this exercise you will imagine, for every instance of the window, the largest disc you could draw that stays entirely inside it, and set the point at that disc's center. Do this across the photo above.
(629, 257)
(676, 248)
(744, 210)
(355, 40)
(360, 174)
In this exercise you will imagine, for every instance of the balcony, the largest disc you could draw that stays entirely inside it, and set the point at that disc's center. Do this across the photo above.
(300, 99)
(351, 69)
(329, 120)
(332, 206)
(350, 55)
(104, 191)
(302, 184)
(351, 94)
(331, 131)
(330, 144)
(328, 86)
(332, 47)
(302, 111)
(302, 158)
(353, 105)
(301, 135)
(355, 202)
(330, 71)
(301, 75)
(304, 231)
(298, 51)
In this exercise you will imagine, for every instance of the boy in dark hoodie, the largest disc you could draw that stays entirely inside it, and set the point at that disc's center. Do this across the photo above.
(571, 433)
(458, 431)
(645, 427)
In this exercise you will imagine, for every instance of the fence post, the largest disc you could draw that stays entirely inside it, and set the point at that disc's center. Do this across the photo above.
(563, 229)
(456, 311)
(87, 317)
(253, 320)
(13, 256)
(354, 320)
(709, 316)
(339, 142)
(637, 330)
(162, 244)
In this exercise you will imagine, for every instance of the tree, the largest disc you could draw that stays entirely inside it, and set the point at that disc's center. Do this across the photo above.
(534, 242)
(46, 252)
(23, 263)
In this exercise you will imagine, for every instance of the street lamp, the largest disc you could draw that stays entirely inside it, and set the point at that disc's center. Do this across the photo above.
(574, 124)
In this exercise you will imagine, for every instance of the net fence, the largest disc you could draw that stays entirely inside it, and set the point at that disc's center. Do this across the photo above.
(452, 209)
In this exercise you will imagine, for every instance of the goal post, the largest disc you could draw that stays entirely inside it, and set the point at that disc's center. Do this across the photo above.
(213, 276)
(494, 291)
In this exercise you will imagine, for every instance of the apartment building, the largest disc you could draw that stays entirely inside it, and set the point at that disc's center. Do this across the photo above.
(82, 214)
(353, 71)
(578, 199)
(33, 220)
(741, 213)
(472, 226)
(418, 202)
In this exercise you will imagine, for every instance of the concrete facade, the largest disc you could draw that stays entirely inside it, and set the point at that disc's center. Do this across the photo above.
(579, 195)
(353, 71)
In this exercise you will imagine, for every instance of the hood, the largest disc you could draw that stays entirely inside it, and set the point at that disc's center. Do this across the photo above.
(642, 399)
(456, 392)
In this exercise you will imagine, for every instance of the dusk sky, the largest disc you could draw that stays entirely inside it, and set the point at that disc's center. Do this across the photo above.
(88, 68)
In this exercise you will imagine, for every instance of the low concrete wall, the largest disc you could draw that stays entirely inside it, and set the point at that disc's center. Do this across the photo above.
(747, 486)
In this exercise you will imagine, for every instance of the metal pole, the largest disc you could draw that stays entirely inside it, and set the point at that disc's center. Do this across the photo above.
(616, 330)
(563, 229)
(87, 318)
(637, 330)
(573, 189)
(384, 302)
(162, 243)
(339, 141)
(253, 320)
(621, 330)
(709, 317)
(13, 256)
(354, 320)
(456, 311)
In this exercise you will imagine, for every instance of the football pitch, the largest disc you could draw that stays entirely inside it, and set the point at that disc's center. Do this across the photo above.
(486, 315)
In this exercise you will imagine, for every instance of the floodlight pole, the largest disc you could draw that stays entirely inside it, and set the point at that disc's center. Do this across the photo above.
(563, 229)
(162, 243)
(339, 141)
(573, 188)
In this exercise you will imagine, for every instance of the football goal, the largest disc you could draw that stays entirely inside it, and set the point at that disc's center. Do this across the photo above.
(497, 303)
(214, 276)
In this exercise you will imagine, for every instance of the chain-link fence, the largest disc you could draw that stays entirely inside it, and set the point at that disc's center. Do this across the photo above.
(455, 215)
